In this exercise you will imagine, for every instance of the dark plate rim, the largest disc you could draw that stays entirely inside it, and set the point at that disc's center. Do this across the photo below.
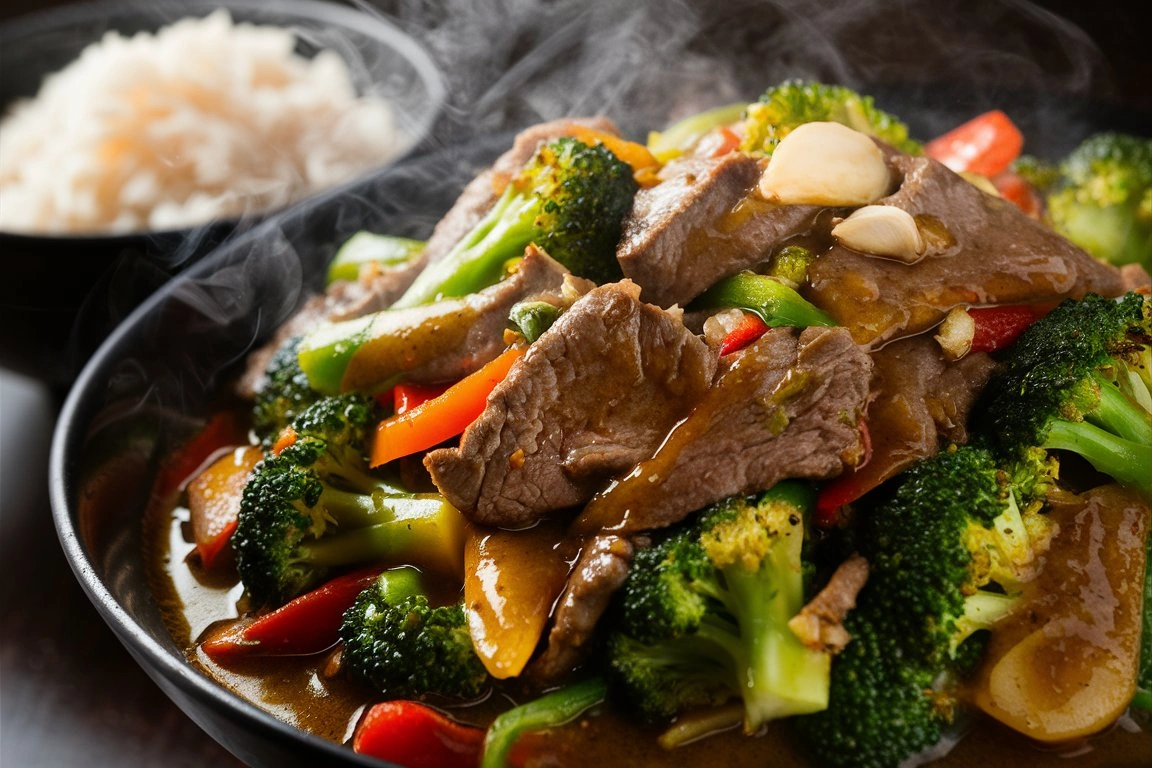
(68, 435)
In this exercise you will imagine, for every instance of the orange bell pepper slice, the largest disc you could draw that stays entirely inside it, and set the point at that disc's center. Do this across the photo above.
(214, 500)
(636, 155)
(436, 420)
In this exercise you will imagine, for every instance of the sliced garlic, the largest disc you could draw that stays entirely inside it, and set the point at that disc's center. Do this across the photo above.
(956, 333)
(881, 230)
(826, 164)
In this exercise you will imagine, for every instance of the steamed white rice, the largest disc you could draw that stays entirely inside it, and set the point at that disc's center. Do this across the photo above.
(203, 119)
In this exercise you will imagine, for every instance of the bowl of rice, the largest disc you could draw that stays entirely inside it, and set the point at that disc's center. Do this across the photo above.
(137, 136)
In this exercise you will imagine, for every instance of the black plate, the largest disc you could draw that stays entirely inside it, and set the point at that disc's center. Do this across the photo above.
(151, 384)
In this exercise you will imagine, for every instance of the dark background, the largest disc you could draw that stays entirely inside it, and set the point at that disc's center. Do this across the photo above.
(71, 695)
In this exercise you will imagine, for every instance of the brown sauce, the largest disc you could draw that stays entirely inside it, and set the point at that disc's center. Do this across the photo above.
(296, 690)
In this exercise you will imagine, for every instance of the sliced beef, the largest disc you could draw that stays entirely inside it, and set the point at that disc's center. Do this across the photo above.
(981, 250)
(1135, 278)
(952, 392)
(600, 570)
(699, 225)
(788, 406)
(345, 300)
(918, 400)
(820, 623)
(480, 193)
(593, 396)
(447, 340)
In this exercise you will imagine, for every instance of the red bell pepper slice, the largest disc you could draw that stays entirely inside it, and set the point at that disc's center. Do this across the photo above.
(405, 397)
(417, 736)
(224, 430)
(997, 327)
(304, 626)
(845, 489)
(726, 141)
(1015, 189)
(835, 495)
(745, 333)
(986, 144)
(443, 417)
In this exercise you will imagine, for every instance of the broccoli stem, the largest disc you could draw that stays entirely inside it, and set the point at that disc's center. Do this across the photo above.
(352, 510)
(424, 530)
(1126, 461)
(1135, 381)
(478, 260)
(1119, 415)
(549, 711)
(784, 676)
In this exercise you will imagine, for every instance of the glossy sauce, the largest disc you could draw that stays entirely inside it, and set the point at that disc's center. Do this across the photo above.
(297, 691)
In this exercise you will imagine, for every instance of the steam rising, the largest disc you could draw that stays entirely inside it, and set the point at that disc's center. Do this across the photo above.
(509, 63)
(643, 63)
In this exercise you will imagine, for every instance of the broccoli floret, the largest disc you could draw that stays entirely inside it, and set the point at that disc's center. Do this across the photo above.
(792, 103)
(1040, 173)
(1103, 200)
(704, 614)
(1078, 380)
(286, 393)
(1143, 698)
(949, 549)
(315, 506)
(570, 200)
(397, 642)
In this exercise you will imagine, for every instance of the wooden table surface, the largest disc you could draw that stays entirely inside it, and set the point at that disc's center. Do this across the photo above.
(70, 695)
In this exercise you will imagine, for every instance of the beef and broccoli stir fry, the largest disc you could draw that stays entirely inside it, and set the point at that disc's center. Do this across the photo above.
(780, 428)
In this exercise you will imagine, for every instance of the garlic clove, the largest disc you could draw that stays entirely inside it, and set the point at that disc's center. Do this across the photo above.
(881, 230)
(826, 164)
(956, 333)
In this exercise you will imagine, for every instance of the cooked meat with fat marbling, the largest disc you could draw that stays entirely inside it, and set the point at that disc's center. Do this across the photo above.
(788, 406)
(593, 396)
(981, 250)
(600, 571)
(918, 401)
(700, 225)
